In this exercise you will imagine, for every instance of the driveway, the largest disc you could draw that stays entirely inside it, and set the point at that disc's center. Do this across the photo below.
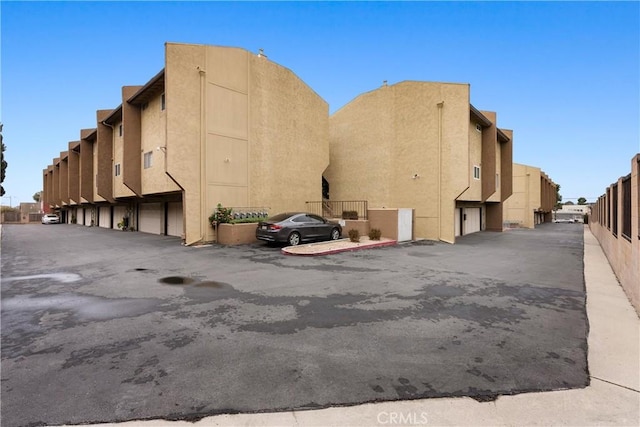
(104, 326)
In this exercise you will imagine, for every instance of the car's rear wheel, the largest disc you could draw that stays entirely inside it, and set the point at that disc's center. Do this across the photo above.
(335, 234)
(294, 239)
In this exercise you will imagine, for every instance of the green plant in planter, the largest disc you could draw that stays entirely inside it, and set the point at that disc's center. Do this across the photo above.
(124, 224)
(221, 215)
(73, 219)
(354, 235)
(375, 234)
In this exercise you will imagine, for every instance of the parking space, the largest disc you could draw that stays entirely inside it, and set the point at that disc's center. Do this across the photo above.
(133, 326)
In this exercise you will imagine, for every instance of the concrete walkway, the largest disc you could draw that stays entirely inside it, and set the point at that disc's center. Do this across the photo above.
(613, 398)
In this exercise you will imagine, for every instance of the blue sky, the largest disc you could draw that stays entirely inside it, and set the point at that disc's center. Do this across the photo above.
(565, 76)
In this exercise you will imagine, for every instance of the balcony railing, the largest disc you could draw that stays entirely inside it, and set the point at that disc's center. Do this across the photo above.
(346, 209)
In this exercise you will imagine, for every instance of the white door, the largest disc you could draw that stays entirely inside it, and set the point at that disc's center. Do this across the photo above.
(104, 213)
(456, 220)
(150, 218)
(471, 220)
(405, 225)
(174, 219)
(119, 212)
(80, 216)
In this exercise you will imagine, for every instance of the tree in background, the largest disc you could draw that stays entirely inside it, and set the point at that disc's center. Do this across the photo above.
(558, 198)
(582, 201)
(36, 196)
(4, 163)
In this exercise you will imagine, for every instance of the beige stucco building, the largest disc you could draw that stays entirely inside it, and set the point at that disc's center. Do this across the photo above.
(215, 125)
(533, 198)
(422, 145)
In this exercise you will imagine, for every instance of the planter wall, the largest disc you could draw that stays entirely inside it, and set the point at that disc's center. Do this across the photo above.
(362, 225)
(237, 234)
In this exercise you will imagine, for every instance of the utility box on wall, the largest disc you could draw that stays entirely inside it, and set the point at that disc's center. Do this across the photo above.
(395, 224)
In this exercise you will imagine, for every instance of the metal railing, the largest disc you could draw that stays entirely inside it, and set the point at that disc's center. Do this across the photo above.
(339, 208)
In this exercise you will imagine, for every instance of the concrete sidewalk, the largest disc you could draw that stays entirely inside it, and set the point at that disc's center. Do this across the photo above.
(613, 398)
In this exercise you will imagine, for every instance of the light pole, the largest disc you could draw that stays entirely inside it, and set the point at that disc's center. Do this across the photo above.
(10, 200)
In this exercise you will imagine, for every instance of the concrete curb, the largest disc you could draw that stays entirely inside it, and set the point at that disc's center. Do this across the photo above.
(290, 250)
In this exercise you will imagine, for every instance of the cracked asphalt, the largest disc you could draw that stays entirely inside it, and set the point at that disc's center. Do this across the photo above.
(106, 326)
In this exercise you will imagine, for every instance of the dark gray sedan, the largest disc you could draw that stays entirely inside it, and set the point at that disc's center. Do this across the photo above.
(298, 227)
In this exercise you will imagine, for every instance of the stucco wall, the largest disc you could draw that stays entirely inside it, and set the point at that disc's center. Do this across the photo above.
(288, 138)
(474, 192)
(182, 94)
(400, 145)
(623, 253)
(261, 133)
(526, 197)
(153, 127)
(119, 189)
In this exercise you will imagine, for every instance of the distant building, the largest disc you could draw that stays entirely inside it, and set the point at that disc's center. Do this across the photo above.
(572, 213)
(533, 198)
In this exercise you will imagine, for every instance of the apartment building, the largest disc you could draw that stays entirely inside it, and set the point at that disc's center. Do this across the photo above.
(615, 222)
(533, 198)
(422, 145)
(215, 125)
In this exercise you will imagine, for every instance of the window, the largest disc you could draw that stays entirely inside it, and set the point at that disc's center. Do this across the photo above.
(476, 172)
(162, 102)
(117, 169)
(478, 127)
(148, 159)
(120, 130)
(626, 207)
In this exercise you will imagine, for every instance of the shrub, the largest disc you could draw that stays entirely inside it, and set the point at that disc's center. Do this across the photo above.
(375, 234)
(354, 235)
(349, 214)
(221, 215)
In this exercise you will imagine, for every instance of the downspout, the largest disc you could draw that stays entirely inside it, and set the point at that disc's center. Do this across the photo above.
(440, 106)
(203, 165)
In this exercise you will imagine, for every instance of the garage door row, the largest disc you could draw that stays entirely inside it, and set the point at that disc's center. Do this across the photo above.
(155, 218)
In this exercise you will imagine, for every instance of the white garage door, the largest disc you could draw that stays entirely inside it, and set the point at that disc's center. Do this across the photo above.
(471, 220)
(80, 216)
(104, 213)
(174, 219)
(150, 218)
(87, 217)
(119, 212)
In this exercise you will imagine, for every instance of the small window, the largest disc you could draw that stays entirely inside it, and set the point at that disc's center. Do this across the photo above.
(162, 102)
(148, 159)
(117, 169)
(476, 172)
(120, 130)
(478, 127)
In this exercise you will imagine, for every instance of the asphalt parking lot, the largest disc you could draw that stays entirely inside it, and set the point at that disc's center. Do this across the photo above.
(105, 326)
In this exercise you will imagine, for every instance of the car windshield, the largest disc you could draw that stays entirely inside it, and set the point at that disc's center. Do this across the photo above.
(279, 217)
